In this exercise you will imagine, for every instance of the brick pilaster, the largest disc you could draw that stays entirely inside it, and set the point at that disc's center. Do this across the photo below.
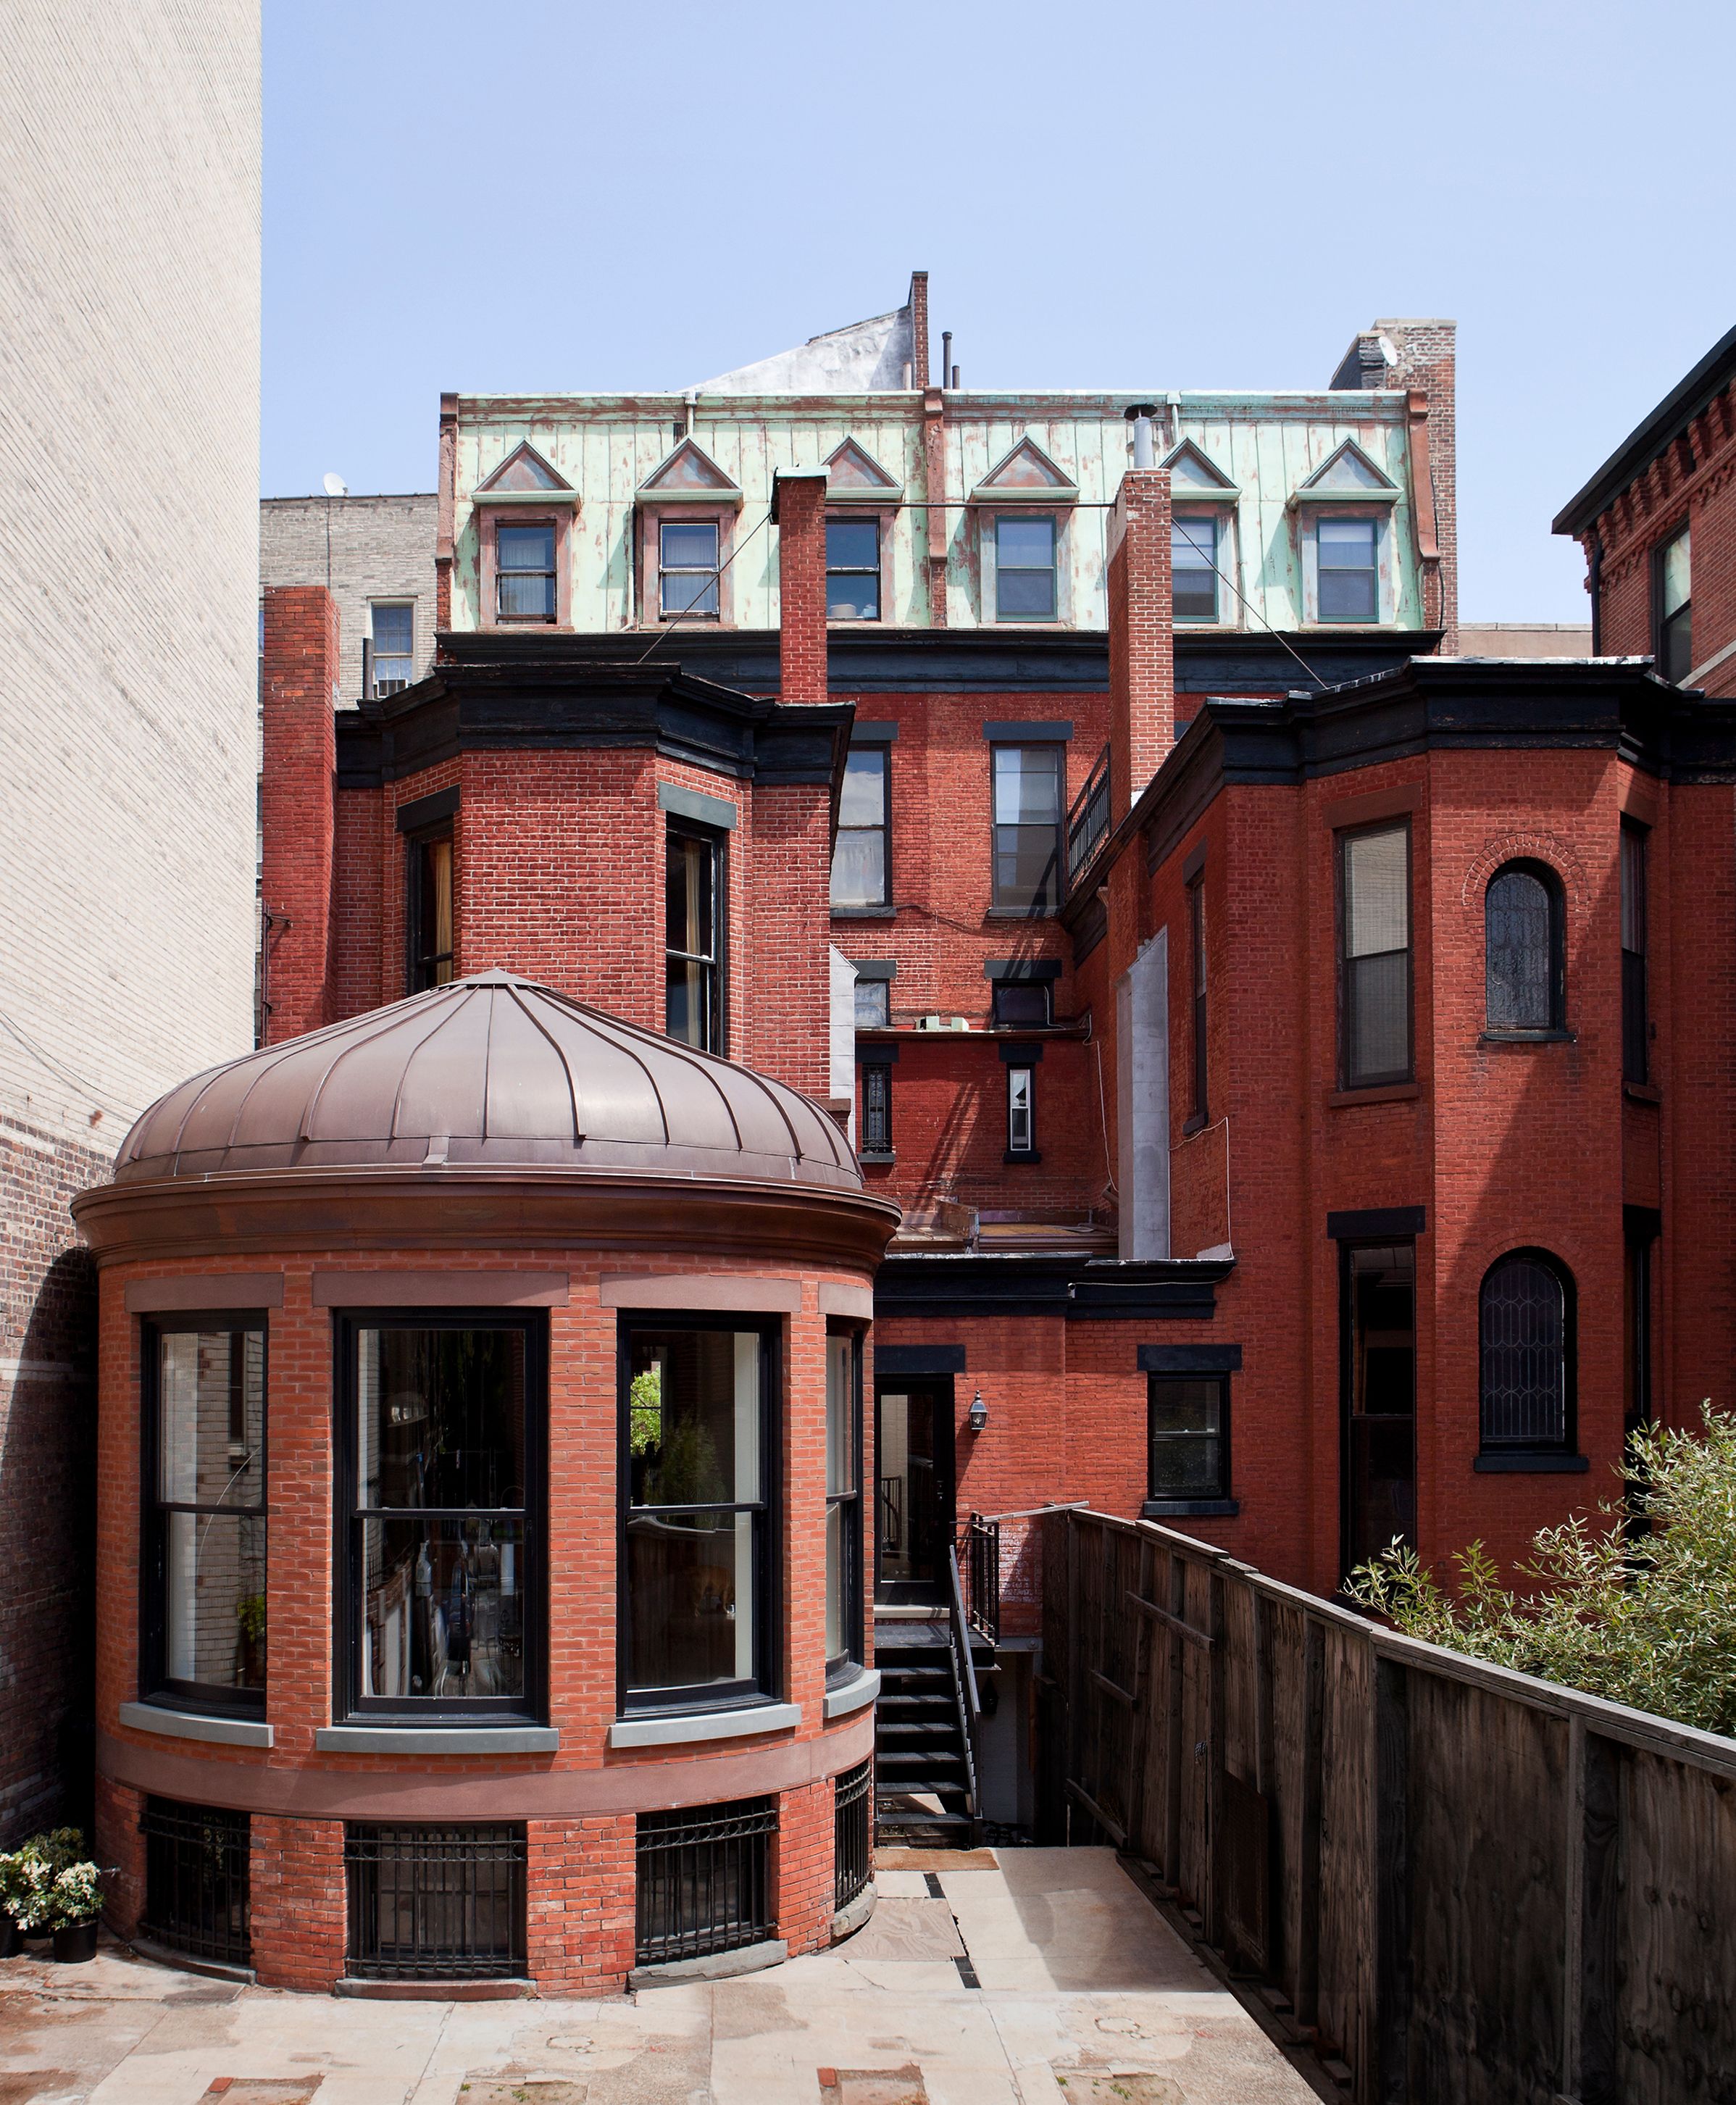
(799, 508)
(1142, 657)
(300, 673)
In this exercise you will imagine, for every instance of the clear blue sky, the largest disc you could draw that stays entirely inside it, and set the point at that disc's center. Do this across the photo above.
(569, 197)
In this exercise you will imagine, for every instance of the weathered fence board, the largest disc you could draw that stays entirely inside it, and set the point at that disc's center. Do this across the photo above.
(1472, 1886)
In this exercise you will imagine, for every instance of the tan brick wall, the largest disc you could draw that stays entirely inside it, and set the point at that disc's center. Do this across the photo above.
(379, 548)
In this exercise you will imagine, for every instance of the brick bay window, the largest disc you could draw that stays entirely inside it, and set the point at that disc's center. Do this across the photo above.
(203, 1622)
(196, 1870)
(698, 1462)
(441, 1429)
(1525, 1323)
(703, 1880)
(843, 1501)
(1636, 1028)
(1374, 983)
(861, 868)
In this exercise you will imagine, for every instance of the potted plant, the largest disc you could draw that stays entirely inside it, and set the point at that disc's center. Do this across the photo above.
(53, 1887)
(75, 1904)
(11, 1895)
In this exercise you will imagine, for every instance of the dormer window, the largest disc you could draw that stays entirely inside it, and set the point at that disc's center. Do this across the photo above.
(1350, 579)
(525, 573)
(687, 509)
(687, 567)
(1345, 511)
(524, 515)
(1024, 567)
(1025, 502)
(853, 569)
(1194, 569)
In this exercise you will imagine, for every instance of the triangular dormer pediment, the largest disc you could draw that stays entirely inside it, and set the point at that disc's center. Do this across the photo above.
(1349, 473)
(1194, 475)
(689, 474)
(852, 473)
(525, 473)
(1025, 475)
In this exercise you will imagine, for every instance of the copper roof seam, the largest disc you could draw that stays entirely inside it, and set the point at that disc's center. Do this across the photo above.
(452, 1009)
(559, 1051)
(206, 1077)
(358, 1038)
(771, 1089)
(594, 1020)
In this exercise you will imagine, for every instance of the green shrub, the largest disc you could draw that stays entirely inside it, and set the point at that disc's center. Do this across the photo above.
(1642, 1614)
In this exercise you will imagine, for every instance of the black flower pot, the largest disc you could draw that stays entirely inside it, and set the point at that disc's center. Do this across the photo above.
(75, 1944)
(11, 1941)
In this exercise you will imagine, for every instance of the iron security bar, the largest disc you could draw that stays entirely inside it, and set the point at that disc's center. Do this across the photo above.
(196, 1880)
(703, 1880)
(852, 1809)
(435, 1903)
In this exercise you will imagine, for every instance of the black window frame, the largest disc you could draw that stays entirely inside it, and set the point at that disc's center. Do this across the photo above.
(714, 1852)
(883, 906)
(1497, 1443)
(767, 1683)
(1331, 516)
(1672, 628)
(874, 1022)
(1028, 1151)
(1556, 898)
(1000, 988)
(883, 1069)
(1205, 547)
(715, 1014)
(1052, 520)
(503, 571)
(422, 968)
(1219, 1378)
(349, 1586)
(713, 571)
(1348, 1078)
(845, 1664)
(855, 570)
(154, 1684)
(1353, 1378)
(1634, 849)
(1198, 1017)
(1047, 899)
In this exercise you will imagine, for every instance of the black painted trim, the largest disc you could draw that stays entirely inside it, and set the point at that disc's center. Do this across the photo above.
(1077, 1288)
(1532, 1465)
(875, 1053)
(1024, 730)
(876, 968)
(1190, 1509)
(1191, 1359)
(880, 732)
(1017, 1052)
(1372, 1223)
(1021, 969)
(919, 1359)
(428, 810)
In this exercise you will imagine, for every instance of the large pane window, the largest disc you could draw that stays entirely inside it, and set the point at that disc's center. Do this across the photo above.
(859, 861)
(873, 1004)
(1675, 609)
(428, 921)
(525, 573)
(1194, 569)
(696, 1426)
(443, 1421)
(1188, 1416)
(204, 1623)
(1525, 1313)
(1522, 921)
(1348, 578)
(1028, 827)
(1636, 1029)
(1380, 1398)
(843, 1499)
(1022, 1005)
(692, 918)
(852, 569)
(1375, 928)
(687, 566)
(1024, 567)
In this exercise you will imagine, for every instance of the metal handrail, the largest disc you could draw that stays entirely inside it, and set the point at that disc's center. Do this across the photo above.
(1088, 817)
(964, 1675)
(982, 1569)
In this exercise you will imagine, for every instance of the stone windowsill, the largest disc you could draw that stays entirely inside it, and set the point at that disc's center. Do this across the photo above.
(683, 1728)
(196, 1725)
(860, 1690)
(403, 1739)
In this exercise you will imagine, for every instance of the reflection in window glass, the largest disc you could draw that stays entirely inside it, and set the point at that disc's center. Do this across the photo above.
(525, 573)
(843, 1495)
(858, 861)
(1193, 569)
(687, 566)
(393, 647)
(692, 987)
(1348, 578)
(695, 1409)
(1187, 1417)
(1675, 609)
(852, 569)
(1375, 917)
(1027, 826)
(1025, 568)
(1520, 942)
(873, 1004)
(1021, 1111)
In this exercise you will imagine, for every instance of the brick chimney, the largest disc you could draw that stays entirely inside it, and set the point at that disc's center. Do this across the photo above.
(1142, 656)
(798, 508)
(300, 673)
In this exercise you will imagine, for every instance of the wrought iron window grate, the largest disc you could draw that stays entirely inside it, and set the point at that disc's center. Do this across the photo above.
(851, 1815)
(196, 1880)
(435, 1903)
(704, 1882)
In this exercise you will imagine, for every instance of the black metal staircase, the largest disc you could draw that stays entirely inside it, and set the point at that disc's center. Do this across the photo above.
(925, 1727)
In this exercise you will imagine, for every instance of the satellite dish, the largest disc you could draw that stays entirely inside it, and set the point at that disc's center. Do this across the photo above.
(336, 486)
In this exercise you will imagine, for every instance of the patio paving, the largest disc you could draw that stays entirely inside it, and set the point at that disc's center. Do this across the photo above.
(1086, 1997)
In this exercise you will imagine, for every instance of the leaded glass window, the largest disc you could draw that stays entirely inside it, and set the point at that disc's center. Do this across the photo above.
(1522, 927)
(1523, 1338)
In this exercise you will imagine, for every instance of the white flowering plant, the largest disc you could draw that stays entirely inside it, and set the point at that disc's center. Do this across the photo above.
(49, 1883)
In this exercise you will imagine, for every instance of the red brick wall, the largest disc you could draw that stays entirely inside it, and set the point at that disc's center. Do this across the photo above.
(1142, 655)
(801, 586)
(297, 792)
(580, 1909)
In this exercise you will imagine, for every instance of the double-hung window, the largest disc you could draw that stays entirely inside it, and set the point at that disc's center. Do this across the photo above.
(204, 1564)
(1194, 569)
(442, 1421)
(697, 1453)
(843, 1499)
(859, 861)
(687, 571)
(1028, 802)
(1675, 609)
(1021, 1111)
(853, 569)
(394, 653)
(1188, 1422)
(1374, 918)
(1524, 947)
(1024, 587)
(1347, 568)
(428, 920)
(1635, 1020)
(525, 573)
(693, 923)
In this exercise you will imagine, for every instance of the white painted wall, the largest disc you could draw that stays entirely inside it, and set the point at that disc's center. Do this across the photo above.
(129, 453)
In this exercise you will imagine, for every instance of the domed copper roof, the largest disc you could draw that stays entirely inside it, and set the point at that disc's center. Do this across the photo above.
(490, 1073)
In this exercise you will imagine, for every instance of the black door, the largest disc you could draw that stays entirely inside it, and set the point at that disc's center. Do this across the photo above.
(913, 1488)
(1379, 1398)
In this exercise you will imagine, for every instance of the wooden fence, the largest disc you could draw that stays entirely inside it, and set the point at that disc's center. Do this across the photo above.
(1470, 1887)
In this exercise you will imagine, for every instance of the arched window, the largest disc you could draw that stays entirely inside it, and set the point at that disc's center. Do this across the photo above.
(1526, 1333)
(1522, 920)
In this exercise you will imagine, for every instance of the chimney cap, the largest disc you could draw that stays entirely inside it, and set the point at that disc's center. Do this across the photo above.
(783, 475)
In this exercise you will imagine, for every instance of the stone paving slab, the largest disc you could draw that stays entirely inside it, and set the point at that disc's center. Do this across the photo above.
(1086, 1998)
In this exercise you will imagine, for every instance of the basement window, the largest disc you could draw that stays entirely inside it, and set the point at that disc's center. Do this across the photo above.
(437, 1903)
(703, 1880)
(852, 1819)
(196, 1880)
